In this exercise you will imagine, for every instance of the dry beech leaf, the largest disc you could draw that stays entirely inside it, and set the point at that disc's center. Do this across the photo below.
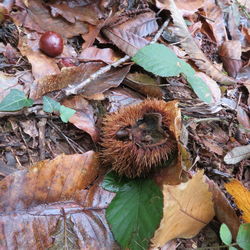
(192, 49)
(241, 197)
(48, 181)
(84, 116)
(230, 53)
(223, 210)
(184, 214)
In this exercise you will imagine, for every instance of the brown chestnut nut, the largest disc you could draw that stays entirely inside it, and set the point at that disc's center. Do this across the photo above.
(51, 43)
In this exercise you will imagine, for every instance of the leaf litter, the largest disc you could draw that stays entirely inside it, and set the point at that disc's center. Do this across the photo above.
(214, 36)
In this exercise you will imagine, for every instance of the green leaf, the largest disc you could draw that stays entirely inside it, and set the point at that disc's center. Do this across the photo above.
(233, 248)
(225, 234)
(160, 60)
(66, 113)
(15, 100)
(135, 213)
(243, 236)
(112, 182)
(50, 105)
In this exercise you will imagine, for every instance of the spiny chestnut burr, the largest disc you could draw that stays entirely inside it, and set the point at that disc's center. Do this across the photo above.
(51, 43)
(137, 139)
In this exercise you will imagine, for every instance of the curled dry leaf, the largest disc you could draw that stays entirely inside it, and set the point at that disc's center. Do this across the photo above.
(192, 49)
(144, 84)
(84, 116)
(184, 213)
(230, 53)
(241, 197)
(48, 181)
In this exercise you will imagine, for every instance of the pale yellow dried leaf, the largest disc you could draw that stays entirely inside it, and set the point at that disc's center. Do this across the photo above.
(241, 197)
(188, 207)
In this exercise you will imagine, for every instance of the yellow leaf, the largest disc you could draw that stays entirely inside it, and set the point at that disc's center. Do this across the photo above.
(188, 207)
(241, 197)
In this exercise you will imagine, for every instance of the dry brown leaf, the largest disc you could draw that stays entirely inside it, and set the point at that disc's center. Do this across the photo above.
(185, 6)
(95, 54)
(42, 65)
(192, 49)
(79, 224)
(140, 25)
(188, 207)
(48, 181)
(126, 41)
(84, 116)
(37, 17)
(230, 53)
(86, 13)
(144, 84)
(241, 197)
(75, 75)
(223, 210)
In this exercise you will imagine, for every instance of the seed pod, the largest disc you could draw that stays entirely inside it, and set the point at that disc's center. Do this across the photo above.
(137, 139)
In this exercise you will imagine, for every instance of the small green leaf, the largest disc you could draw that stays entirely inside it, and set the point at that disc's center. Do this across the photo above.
(135, 213)
(15, 100)
(243, 236)
(112, 182)
(225, 234)
(50, 105)
(162, 61)
(66, 113)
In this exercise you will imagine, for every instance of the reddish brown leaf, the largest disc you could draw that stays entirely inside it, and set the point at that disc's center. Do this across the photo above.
(95, 54)
(82, 12)
(74, 75)
(84, 116)
(127, 41)
(230, 53)
(36, 17)
(140, 25)
(48, 181)
(223, 211)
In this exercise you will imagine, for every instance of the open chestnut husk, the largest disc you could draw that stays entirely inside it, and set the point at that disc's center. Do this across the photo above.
(139, 138)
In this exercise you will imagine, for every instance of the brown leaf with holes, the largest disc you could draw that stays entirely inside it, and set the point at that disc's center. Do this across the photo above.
(241, 197)
(184, 214)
